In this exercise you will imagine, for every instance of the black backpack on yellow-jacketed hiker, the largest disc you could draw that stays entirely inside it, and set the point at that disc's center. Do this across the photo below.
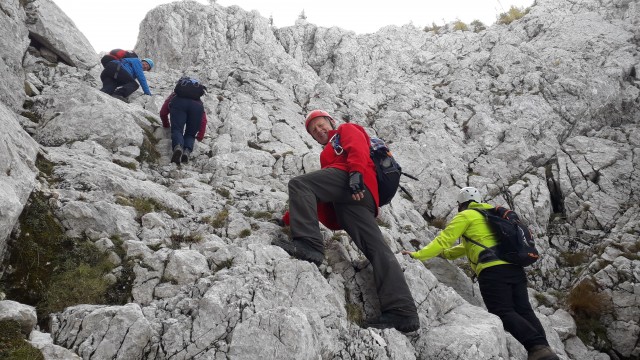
(515, 241)
(190, 88)
(388, 171)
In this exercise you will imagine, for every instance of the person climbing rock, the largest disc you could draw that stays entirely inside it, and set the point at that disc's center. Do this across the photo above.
(119, 77)
(343, 195)
(503, 285)
(188, 120)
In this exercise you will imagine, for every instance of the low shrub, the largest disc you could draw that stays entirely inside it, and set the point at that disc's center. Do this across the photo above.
(514, 13)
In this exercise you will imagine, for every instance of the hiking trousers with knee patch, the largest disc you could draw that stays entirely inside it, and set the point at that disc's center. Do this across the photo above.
(329, 185)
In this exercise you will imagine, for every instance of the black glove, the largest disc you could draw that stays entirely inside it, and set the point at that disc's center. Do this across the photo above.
(277, 221)
(355, 182)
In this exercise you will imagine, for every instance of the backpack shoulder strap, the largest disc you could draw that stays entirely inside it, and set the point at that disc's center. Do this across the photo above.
(335, 144)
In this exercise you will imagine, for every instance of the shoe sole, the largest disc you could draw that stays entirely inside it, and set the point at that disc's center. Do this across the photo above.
(176, 157)
(291, 250)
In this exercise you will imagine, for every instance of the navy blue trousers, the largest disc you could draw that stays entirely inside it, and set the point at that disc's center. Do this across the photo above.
(186, 117)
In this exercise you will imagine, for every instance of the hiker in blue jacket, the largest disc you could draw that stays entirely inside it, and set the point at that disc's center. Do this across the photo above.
(119, 77)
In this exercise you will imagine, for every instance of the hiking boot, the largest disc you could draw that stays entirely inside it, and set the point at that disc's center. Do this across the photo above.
(185, 156)
(299, 250)
(542, 352)
(121, 98)
(401, 323)
(177, 154)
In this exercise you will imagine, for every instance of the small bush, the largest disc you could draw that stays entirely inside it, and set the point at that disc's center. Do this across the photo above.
(219, 221)
(354, 313)
(434, 28)
(244, 233)
(574, 258)
(512, 15)
(226, 264)
(382, 223)
(44, 165)
(460, 26)
(223, 192)
(262, 215)
(585, 300)
(478, 26)
(148, 152)
(186, 238)
(144, 206)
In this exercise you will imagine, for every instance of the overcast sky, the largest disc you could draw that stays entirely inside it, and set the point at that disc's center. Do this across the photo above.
(110, 24)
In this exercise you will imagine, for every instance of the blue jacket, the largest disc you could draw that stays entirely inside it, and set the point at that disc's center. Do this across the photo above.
(134, 67)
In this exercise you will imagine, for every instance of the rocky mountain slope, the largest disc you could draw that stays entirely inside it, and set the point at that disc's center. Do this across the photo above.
(110, 251)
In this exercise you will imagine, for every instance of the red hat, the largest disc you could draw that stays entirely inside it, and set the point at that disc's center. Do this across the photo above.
(314, 114)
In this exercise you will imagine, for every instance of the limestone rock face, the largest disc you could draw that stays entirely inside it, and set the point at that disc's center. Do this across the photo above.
(541, 115)
(13, 44)
(53, 29)
(17, 171)
(25, 315)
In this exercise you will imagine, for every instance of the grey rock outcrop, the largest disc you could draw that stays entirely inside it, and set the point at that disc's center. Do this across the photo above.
(13, 44)
(541, 115)
(58, 35)
(18, 171)
(25, 315)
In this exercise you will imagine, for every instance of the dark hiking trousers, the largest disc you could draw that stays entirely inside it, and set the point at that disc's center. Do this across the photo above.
(186, 117)
(358, 220)
(117, 81)
(504, 291)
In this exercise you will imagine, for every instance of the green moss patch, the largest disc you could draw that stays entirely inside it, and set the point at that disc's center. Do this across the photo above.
(145, 205)
(148, 152)
(13, 344)
(50, 270)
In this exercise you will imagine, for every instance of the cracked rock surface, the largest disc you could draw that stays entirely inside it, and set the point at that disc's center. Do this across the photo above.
(541, 115)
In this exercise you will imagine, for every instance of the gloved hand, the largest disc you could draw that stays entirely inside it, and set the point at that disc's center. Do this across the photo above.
(356, 185)
(199, 137)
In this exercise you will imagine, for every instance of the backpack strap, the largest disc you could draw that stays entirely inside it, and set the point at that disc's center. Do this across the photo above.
(335, 143)
(489, 253)
(115, 74)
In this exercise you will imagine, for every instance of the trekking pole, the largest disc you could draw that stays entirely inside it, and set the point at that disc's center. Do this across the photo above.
(410, 176)
(406, 192)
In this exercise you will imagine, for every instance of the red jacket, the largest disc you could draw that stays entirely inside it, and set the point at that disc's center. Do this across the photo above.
(356, 157)
(164, 116)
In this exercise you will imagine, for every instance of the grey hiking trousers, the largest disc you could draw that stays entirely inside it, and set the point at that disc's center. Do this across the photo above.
(357, 218)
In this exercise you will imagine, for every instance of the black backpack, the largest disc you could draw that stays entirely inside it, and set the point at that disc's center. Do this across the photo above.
(515, 242)
(388, 171)
(189, 88)
(117, 54)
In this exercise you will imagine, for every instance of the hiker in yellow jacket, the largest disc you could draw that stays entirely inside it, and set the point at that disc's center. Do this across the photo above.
(503, 285)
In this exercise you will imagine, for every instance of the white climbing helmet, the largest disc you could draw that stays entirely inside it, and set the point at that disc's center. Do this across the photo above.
(469, 193)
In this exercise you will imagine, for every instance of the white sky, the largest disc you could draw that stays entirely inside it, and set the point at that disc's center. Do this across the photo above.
(110, 24)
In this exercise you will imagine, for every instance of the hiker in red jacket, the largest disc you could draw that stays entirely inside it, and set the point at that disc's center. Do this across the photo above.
(344, 195)
(188, 118)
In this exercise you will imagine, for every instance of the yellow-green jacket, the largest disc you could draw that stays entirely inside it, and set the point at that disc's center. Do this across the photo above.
(468, 223)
